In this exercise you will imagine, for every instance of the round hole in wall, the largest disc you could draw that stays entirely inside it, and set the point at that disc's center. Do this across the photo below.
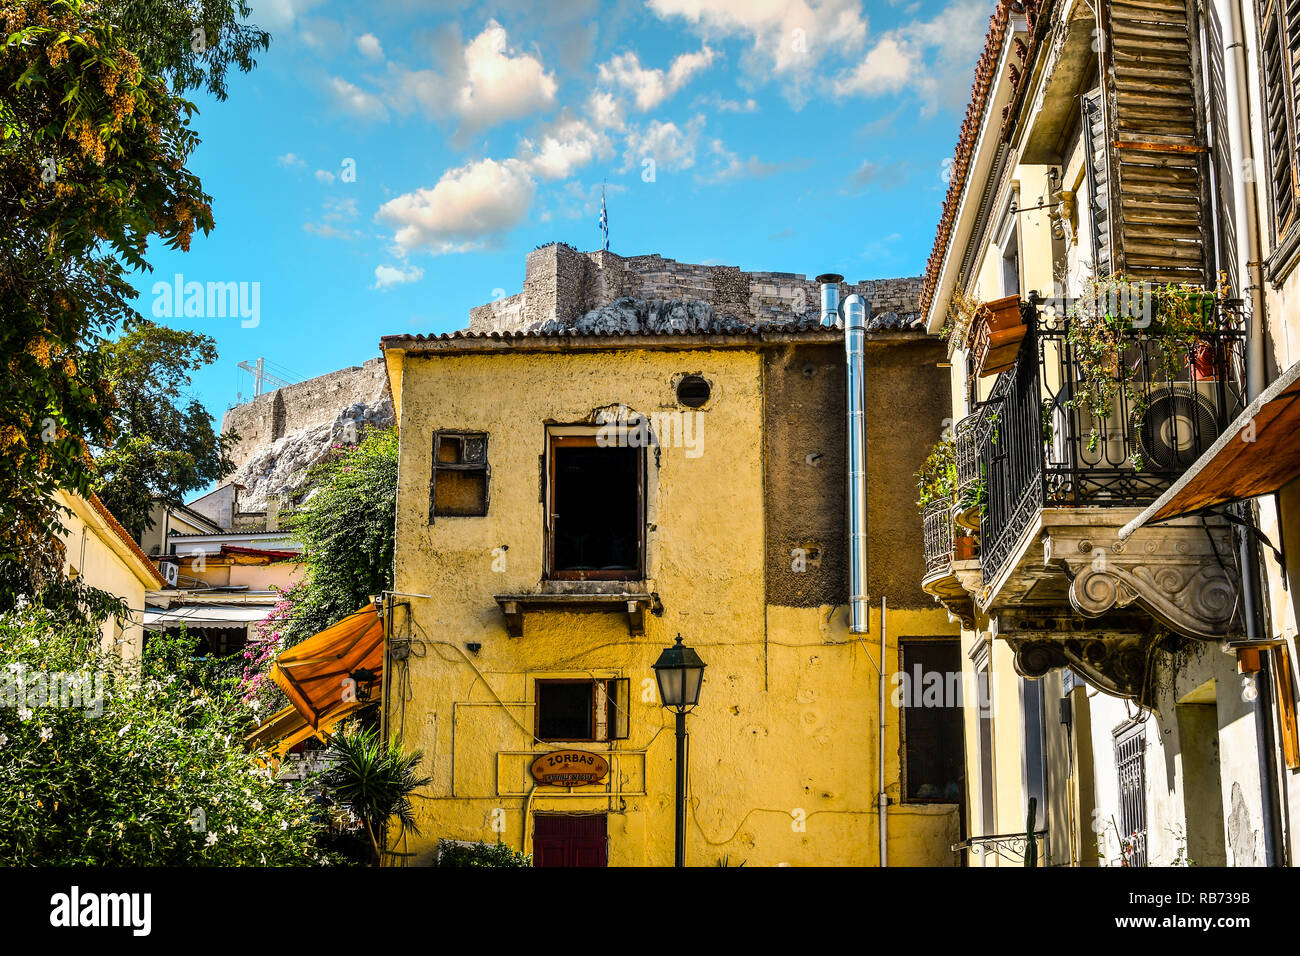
(693, 391)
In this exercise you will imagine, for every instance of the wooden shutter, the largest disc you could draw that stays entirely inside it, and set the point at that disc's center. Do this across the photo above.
(1286, 706)
(1279, 26)
(1157, 148)
(1094, 136)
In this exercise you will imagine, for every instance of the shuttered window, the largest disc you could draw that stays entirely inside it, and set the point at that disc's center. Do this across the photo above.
(1280, 61)
(1156, 143)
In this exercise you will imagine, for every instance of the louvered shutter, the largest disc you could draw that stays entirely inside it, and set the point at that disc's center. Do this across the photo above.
(1157, 147)
(1280, 61)
(1094, 133)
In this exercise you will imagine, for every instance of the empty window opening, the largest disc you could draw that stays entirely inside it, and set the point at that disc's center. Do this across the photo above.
(597, 512)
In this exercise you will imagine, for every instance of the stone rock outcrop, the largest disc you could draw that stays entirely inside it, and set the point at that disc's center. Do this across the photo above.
(282, 468)
(631, 315)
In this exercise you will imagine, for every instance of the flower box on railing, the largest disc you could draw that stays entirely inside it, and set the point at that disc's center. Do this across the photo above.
(996, 335)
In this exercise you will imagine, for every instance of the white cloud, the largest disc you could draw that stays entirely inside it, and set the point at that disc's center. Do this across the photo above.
(887, 68)
(277, 15)
(388, 276)
(480, 84)
(324, 176)
(564, 146)
(499, 83)
(651, 87)
(356, 101)
(605, 110)
(291, 159)
(930, 58)
(468, 204)
(336, 212)
(729, 166)
(789, 38)
(670, 146)
(369, 46)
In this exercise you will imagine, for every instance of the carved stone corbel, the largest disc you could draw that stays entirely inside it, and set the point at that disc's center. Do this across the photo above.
(1173, 572)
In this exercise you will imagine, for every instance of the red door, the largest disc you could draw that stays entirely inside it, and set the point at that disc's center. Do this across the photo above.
(560, 840)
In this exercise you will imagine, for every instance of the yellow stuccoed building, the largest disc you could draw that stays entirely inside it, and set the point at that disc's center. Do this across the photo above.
(573, 498)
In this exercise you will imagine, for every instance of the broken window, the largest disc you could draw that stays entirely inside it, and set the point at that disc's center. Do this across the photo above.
(596, 507)
(933, 757)
(459, 484)
(582, 710)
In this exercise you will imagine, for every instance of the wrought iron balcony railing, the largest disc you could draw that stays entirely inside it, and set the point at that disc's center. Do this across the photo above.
(1039, 444)
(938, 535)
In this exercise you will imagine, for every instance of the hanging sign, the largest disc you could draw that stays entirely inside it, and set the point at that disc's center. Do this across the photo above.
(569, 768)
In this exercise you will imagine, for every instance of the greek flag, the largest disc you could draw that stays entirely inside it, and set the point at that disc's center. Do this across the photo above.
(604, 221)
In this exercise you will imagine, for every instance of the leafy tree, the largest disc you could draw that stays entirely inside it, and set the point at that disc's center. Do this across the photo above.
(346, 527)
(162, 448)
(375, 780)
(94, 138)
(141, 767)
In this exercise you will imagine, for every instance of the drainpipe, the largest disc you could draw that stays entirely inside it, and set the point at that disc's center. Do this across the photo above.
(1246, 214)
(882, 797)
(855, 332)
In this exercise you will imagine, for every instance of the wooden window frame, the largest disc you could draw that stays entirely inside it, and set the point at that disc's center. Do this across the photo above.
(485, 467)
(576, 436)
(616, 719)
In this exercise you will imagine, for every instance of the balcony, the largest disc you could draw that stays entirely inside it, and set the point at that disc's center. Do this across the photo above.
(1085, 428)
(950, 551)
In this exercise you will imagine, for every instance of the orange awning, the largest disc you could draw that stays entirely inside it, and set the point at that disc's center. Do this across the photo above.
(315, 674)
(1256, 455)
(287, 728)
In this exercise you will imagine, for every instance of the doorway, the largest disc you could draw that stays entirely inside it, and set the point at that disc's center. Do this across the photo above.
(561, 839)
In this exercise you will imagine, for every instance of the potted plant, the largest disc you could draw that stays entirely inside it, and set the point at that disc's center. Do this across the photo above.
(1178, 318)
(938, 475)
(996, 336)
(965, 547)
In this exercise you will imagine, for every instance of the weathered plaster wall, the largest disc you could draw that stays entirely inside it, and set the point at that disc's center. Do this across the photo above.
(783, 743)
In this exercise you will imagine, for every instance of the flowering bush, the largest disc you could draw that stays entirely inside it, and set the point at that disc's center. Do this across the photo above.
(146, 768)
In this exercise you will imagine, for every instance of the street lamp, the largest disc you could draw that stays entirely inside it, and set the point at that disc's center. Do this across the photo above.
(680, 672)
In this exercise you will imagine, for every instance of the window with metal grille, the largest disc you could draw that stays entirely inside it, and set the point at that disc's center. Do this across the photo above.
(1130, 762)
(1279, 26)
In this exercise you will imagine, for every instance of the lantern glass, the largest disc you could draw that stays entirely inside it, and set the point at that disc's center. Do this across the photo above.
(680, 673)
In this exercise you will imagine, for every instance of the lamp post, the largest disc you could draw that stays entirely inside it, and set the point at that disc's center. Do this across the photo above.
(679, 673)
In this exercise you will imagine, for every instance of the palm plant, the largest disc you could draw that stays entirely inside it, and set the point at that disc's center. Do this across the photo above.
(375, 780)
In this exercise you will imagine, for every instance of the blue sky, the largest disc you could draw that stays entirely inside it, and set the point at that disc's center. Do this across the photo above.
(803, 136)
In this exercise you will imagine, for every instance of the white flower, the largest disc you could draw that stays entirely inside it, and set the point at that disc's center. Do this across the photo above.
(211, 839)
(24, 713)
(46, 734)
(4, 740)
(257, 806)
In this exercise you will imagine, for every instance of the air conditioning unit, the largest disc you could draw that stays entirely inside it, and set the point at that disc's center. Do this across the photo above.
(170, 573)
(1179, 423)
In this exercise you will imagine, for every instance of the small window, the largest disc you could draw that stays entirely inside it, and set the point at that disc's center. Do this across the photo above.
(459, 485)
(596, 509)
(931, 688)
(582, 710)
(693, 391)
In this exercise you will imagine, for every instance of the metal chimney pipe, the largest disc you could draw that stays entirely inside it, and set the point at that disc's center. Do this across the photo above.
(830, 283)
(855, 333)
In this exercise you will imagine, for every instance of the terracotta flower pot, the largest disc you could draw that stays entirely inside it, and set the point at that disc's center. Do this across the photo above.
(965, 548)
(997, 335)
(1203, 364)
